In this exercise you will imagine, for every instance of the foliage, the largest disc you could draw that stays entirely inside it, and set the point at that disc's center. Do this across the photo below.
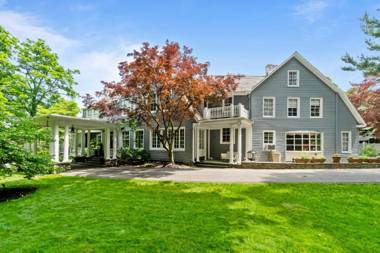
(133, 155)
(369, 65)
(62, 107)
(366, 98)
(107, 215)
(368, 151)
(162, 88)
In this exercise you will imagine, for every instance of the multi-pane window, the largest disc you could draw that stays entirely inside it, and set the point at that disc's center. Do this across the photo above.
(155, 141)
(268, 107)
(201, 139)
(316, 107)
(227, 101)
(293, 78)
(126, 139)
(306, 141)
(139, 138)
(226, 135)
(268, 137)
(179, 139)
(293, 107)
(345, 137)
(153, 105)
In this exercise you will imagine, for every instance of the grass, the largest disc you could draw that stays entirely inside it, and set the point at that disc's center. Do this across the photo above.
(68, 214)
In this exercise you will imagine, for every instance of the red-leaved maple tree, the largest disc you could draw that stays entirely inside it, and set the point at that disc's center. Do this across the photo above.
(366, 98)
(164, 87)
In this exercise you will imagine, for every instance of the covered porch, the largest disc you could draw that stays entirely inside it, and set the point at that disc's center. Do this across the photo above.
(80, 137)
(227, 139)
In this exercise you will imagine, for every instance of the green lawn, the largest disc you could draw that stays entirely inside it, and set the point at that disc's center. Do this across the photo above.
(102, 215)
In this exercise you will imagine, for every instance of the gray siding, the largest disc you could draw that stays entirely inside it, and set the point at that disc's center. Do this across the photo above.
(216, 148)
(310, 86)
(161, 155)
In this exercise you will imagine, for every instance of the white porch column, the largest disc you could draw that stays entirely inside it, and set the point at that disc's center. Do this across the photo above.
(114, 150)
(76, 142)
(83, 142)
(66, 144)
(88, 153)
(55, 147)
(208, 143)
(232, 134)
(239, 142)
(107, 138)
(197, 143)
(248, 142)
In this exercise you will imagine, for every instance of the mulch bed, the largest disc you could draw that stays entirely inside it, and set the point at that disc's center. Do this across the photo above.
(15, 193)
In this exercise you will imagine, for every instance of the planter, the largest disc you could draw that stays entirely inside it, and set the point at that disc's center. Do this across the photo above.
(336, 159)
(301, 160)
(355, 160)
(318, 160)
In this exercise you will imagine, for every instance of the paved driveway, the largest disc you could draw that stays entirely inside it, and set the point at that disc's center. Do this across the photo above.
(233, 175)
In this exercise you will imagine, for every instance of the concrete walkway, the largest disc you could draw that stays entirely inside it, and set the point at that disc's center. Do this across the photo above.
(233, 175)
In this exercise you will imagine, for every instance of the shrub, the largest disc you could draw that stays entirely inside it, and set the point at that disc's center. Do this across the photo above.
(133, 155)
(368, 151)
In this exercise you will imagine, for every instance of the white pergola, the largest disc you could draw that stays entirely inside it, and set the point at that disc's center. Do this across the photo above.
(233, 123)
(84, 126)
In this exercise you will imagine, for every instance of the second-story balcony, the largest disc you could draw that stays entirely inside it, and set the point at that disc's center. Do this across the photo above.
(231, 111)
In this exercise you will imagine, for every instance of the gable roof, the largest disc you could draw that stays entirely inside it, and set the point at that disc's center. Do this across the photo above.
(246, 84)
(323, 78)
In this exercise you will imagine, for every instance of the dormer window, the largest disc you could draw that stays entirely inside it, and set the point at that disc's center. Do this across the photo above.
(293, 78)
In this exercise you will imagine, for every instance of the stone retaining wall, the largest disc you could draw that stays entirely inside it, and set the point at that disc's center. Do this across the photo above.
(307, 165)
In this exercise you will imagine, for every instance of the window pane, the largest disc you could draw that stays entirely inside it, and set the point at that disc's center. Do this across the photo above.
(228, 101)
(292, 107)
(139, 139)
(292, 76)
(315, 107)
(226, 135)
(182, 138)
(268, 107)
(125, 135)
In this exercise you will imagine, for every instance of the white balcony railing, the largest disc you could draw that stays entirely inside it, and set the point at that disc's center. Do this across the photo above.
(225, 112)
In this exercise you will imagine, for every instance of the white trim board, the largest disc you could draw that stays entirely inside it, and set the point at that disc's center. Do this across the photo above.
(323, 78)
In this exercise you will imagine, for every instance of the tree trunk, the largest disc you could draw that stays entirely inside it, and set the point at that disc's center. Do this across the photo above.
(171, 155)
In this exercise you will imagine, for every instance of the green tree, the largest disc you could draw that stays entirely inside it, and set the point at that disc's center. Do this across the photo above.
(369, 65)
(43, 81)
(62, 107)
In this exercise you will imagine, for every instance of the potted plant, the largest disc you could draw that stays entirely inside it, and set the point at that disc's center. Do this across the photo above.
(336, 158)
(302, 159)
(355, 159)
(318, 159)
(374, 159)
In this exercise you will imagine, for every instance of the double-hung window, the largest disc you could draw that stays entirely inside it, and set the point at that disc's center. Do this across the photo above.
(126, 139)
(316, 107)
(155, 142)
(225, 135)
(269, 138)
(293, 107)
(269, 107)
(139, 138)
(293, 78)
(346, 142)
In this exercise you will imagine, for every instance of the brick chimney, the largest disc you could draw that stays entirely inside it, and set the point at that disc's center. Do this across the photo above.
(269, 68)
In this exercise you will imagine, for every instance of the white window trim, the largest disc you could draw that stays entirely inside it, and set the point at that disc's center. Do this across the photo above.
(134, 139)
(303, 132)
(274, 137)
(221, 136)
(349, 142)
(274, 107)
(298, 108)
(129, 136)
(320, 109)
(162, 148)
(298, 78)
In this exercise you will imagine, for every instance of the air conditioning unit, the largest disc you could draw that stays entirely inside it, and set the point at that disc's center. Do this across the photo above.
(270, 147)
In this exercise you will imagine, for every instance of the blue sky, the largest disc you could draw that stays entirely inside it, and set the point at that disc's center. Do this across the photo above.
(234, 36)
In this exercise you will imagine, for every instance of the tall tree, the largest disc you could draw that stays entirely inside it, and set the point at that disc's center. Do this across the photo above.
(43, 80)
(164, 87)
(62, 107)
(369, 65)
(366, 98)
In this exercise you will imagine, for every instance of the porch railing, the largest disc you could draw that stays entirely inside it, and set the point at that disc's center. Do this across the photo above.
(225, 112)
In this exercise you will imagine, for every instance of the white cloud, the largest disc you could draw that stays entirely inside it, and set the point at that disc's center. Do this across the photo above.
(97, 66)
(310, 10)
(25, 26)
